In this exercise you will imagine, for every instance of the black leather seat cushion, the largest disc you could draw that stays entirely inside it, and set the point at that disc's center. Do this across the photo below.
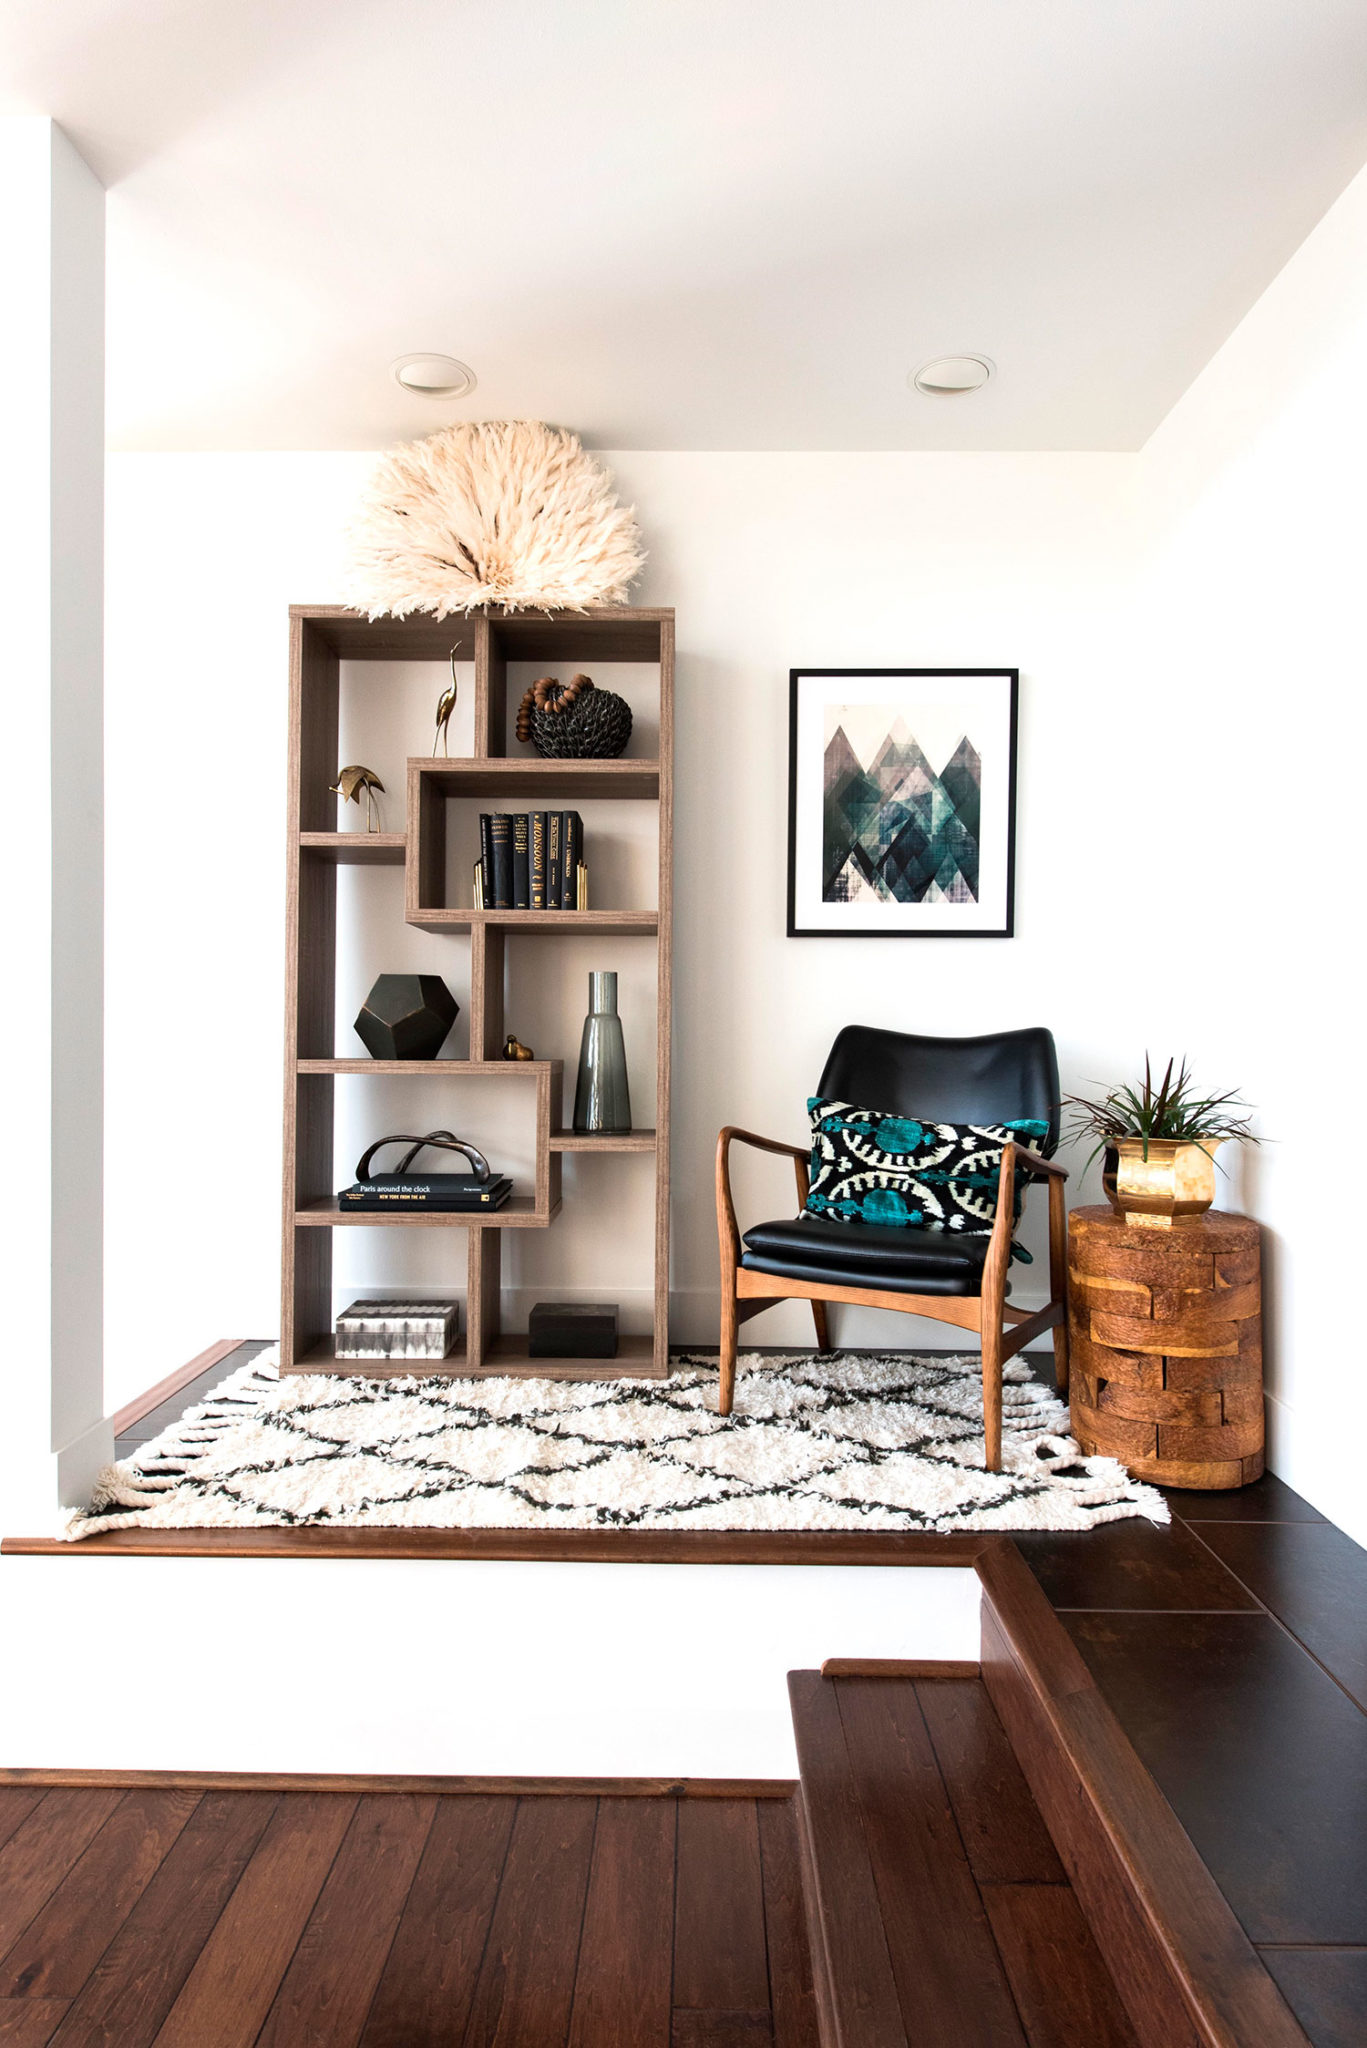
(889, 1257)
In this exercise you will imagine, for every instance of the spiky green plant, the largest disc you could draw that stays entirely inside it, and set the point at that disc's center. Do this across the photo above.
(1172, 1111)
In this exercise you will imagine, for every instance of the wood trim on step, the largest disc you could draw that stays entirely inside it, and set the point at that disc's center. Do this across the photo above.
(143, 1404)
(378, 1781)
(899, 1667)
(1188, 1974)
(585, 1546)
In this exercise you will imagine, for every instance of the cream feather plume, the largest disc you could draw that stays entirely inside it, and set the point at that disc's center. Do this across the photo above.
(507, 512)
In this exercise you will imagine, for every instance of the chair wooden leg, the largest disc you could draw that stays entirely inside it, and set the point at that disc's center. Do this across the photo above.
(992, 1393)
(727, 1389)
(823, 1341)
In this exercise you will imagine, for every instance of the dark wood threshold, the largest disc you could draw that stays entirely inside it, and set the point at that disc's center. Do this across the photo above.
(143, 1404)
(899, 1667)
(595, 1546)
(426, 1785)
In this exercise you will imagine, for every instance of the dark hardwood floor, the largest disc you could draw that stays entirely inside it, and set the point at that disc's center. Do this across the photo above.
(395, 1920)
(945, 1910)
(1232, 1645)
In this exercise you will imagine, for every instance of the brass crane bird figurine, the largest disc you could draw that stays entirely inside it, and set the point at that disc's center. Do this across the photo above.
(446, 704)
(349, 784)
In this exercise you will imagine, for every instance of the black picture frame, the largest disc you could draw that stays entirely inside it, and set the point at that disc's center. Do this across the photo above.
(1010, 678)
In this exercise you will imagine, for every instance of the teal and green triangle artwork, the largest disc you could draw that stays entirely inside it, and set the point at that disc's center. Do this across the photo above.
(897, 831)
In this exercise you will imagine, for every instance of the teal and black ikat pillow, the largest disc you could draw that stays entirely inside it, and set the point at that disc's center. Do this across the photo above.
(874, 1166)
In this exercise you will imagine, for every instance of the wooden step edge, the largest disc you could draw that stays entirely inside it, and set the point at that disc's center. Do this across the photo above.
(426, 1783)
(856, 1990)
(1184, 1968)
(900, 1667)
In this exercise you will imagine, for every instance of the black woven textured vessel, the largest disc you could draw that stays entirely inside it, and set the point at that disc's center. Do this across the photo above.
(597, 728)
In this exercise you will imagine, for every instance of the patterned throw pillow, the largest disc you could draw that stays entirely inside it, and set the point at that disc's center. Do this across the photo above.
(873, 1166)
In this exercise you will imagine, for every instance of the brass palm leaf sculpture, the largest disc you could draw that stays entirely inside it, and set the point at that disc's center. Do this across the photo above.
(349, 784)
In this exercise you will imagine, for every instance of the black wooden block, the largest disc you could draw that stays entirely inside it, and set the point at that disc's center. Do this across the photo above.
(572, 1329)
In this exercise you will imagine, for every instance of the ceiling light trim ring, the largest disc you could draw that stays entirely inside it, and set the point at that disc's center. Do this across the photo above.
(953, 376)
(428, 373)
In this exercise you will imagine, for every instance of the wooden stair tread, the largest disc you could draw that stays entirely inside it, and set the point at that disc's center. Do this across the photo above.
(918, 1941)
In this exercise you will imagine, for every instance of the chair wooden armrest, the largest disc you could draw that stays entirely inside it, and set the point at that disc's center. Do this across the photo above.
(727, 1229)
(1037, 1163)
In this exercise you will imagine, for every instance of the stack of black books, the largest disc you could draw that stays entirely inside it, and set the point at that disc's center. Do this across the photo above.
(531, 860)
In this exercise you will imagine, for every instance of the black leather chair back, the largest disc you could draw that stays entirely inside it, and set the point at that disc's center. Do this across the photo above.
(947, 1080)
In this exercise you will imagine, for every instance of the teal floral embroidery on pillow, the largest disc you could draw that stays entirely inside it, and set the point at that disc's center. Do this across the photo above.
(874, 1166)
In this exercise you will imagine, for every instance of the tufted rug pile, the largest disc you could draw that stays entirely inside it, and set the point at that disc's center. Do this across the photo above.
(836, 1440)
(841, 1440)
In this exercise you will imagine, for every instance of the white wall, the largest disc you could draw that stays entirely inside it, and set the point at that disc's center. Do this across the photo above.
(473, 1668)
(52, 432)
(1250, 652)
(771, 561)
(1191, 674)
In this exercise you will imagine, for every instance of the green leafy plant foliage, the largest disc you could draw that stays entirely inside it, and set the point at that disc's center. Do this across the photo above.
(1172, 1112)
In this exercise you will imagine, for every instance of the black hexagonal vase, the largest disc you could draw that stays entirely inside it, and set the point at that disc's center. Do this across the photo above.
(406, 1017)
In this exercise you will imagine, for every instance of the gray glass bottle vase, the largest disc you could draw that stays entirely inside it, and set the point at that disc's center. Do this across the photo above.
(602, 1101)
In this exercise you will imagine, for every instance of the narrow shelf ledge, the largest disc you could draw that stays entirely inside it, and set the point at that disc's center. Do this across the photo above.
(641, 922)
(519, 1212)
(602, 1141)
(499, 777)
(356, 849)
(323, 1358)
(464, 1070)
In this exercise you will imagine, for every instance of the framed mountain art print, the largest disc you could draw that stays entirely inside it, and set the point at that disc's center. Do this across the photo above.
(901, 803)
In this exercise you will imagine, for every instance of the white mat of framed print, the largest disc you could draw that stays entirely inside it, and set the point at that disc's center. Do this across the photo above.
(901, 803)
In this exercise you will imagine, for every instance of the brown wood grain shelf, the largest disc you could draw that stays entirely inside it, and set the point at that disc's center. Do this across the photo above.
(519, 1212)
(540, 779)
(616, 1141)
(601, 633)
(323, 1358)
(322, 637)
(640, 923)
(464, 1070)
(356, 849)
(634, 1360)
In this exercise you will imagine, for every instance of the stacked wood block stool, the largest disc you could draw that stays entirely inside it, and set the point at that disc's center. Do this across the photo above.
(1165, 1335)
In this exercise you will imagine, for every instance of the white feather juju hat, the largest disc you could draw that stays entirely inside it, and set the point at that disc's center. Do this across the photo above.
(508, 512)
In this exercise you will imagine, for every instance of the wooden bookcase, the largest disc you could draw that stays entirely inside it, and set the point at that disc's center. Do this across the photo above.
(321, 639)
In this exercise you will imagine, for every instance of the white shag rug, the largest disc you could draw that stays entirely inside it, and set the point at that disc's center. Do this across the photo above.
(839, 1440)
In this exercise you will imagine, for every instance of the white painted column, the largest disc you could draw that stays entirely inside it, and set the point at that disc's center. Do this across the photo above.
(52, 810)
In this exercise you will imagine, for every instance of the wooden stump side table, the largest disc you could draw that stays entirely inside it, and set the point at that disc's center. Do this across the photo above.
(1165, 1336)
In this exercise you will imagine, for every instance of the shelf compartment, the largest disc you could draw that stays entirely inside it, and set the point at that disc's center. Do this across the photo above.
(541, 780)
(518, 1212)
(356, 849)
(635, 1360)
(642, 923)
(602, 1141)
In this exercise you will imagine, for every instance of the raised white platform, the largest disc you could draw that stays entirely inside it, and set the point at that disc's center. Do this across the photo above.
(471, 1668)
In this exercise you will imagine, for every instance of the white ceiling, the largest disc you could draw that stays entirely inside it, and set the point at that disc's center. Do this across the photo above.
(693, 223)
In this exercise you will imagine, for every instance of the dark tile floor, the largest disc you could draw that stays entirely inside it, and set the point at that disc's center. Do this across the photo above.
(1232, 1646)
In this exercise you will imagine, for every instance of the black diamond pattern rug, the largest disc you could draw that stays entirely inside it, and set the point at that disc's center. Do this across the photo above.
(837, 1440)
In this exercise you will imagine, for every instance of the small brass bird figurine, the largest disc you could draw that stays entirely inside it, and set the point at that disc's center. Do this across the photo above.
(349, 784)
(446, 704)
(514, 1049)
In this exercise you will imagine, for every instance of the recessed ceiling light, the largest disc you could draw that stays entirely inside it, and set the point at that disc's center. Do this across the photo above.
(950, 376)
(433, 376)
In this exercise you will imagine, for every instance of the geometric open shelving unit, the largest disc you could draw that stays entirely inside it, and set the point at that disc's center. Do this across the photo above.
(322, 637)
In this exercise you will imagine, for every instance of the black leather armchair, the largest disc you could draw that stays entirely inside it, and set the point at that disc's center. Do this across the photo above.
(954, 1279)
